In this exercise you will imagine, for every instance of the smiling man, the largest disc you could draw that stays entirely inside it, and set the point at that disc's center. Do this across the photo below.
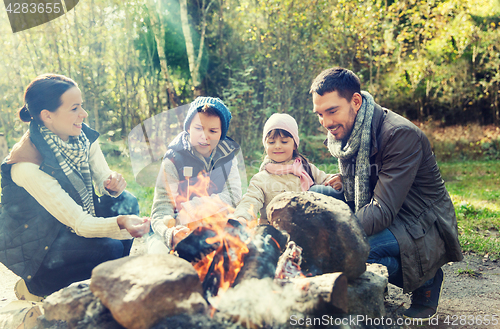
(392, 182)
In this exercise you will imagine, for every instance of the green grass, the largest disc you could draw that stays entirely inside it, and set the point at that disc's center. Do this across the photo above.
(144, 194)
(468, 272)
(473, 186)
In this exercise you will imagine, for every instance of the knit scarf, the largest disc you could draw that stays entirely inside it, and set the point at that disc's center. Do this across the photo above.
(73, 157)
(356, 179)
(296, 169)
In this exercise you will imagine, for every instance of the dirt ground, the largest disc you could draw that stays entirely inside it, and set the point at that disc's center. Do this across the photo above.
(465, 299)
(474, 293)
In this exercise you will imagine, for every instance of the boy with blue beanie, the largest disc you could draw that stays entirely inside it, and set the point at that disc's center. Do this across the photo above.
(202, 150)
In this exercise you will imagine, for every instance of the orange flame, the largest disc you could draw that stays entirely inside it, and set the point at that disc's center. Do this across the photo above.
(214, 215)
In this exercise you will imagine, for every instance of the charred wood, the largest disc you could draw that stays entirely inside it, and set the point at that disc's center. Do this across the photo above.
(264, 252)
(329, 290)
(195, 247)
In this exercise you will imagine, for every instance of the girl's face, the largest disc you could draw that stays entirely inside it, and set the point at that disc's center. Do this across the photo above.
(204, 133)
(280, 149)
(68, 118)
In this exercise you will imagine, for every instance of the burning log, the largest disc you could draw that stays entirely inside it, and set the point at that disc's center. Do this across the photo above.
(216, 252)
(289, 262)
(195, 247)
(264, 253)
(260, 262)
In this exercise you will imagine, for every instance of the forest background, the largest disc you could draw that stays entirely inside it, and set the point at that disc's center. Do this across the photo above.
(436, 62)
(433, 60)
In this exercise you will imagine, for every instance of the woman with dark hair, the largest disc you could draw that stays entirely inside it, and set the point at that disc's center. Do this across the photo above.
(53, 228)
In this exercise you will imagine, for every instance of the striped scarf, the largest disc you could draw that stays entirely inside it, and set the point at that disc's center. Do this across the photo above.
(356, 179)
(73, 157)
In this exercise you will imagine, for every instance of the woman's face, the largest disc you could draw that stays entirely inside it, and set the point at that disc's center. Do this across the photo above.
(68, 118)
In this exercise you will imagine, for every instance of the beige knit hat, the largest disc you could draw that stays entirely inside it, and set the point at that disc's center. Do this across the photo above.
(281, 121)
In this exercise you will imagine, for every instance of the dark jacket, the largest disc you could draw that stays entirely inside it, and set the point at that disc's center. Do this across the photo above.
(181, 153)
(27, 230)
(409, 197)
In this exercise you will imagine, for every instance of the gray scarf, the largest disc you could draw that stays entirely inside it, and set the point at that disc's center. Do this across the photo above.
(73, 157)
(356, 179)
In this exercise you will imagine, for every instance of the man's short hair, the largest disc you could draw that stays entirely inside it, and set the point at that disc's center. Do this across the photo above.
(338, 79)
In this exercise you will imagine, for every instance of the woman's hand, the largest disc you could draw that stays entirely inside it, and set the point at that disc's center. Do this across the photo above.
(179, 234)
(335, 182)
(135, 225)
(115, 184)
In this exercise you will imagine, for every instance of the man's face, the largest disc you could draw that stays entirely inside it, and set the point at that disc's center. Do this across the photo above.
(337, 114)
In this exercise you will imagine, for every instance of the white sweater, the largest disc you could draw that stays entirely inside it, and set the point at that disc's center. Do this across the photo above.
(50, 195)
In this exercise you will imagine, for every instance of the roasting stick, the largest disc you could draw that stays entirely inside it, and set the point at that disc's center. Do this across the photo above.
(188, 173)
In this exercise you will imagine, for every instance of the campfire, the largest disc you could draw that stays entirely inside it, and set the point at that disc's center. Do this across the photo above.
(223, 251)
(228, 274)
(227, 254)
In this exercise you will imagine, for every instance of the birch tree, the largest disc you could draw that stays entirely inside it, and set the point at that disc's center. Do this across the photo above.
(194, 61)
(159, 33)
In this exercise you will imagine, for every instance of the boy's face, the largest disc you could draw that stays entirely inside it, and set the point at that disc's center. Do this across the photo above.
(204, 133)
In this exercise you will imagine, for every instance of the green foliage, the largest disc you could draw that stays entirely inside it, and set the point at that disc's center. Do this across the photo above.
(436, 60)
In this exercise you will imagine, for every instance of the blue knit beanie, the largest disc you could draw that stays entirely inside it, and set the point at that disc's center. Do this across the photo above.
(217, 105)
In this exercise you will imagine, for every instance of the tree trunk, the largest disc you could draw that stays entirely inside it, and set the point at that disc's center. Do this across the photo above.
(194, 63)
(159, 32)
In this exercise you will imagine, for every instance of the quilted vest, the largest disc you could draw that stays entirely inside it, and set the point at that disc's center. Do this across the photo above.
(27, 230)
(186, 162)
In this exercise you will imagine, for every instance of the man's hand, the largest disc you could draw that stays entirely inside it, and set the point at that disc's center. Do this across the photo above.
(135, 225)
(115, 184)
(335, 182)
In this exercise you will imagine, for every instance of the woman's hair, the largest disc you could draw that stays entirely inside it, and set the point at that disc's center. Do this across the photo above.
(44, 93)
(274, 133)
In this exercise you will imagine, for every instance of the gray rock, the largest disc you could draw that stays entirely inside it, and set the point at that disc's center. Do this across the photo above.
(328, 232)
(76, 307)
(140, 291)
(366, 293)
(69, 304)
(20, 314)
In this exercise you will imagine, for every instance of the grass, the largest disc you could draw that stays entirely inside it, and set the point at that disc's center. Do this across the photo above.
(144, 194)
(468, 272)
(473, 186)
(118, 160)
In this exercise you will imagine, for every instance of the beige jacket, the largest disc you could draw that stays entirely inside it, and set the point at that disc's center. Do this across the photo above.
(264, 187)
